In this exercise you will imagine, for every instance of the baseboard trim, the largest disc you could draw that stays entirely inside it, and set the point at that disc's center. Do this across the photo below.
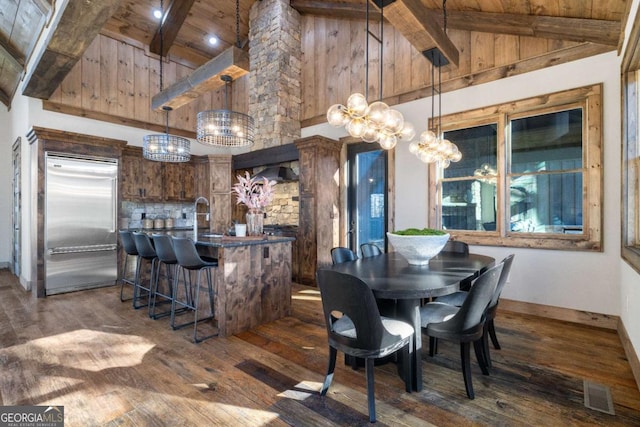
(559, 313)
(632, 357)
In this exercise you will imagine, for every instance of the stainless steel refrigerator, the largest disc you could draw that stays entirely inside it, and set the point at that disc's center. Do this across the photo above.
(80, 223)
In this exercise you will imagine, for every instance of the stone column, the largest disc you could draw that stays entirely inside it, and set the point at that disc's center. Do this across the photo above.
(275, 57)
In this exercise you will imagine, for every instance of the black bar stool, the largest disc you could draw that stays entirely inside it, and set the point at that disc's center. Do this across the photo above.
(190, 261)
(129, 246)
(166, 257)
(146, 252)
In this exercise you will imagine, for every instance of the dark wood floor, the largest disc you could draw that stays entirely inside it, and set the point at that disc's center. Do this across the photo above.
(108, 364)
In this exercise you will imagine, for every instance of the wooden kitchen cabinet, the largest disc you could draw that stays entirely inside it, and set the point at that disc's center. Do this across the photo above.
(179, 179)
(141, 179)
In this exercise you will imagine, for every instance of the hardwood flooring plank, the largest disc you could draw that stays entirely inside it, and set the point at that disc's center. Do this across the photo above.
(109, 364)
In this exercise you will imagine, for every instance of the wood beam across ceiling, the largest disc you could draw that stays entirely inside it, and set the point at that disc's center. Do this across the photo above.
(419, 26)
(9, 53)
(80, 22)
(175, 15)
(551, 27)
(334, 10)
(233, 62)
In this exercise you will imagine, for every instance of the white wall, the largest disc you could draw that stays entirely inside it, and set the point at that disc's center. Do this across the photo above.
(6, 172)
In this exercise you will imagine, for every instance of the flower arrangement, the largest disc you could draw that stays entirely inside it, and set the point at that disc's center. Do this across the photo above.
(253, 192)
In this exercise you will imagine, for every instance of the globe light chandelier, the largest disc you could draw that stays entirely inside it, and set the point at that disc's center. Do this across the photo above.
(375, 122)
(165, 147)
(226, 128)
(432, 146)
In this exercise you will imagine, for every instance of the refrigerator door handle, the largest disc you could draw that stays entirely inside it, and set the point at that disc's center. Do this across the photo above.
(114, 218)
(81, 249)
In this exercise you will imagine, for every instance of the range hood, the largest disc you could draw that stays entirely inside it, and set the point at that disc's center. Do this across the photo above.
(277, 173)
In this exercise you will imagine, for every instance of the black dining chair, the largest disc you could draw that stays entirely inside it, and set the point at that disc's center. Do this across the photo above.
(190, 261)
(456, 247)
(341, 254)
(464, 324)
(129, 246)
(457, 299)
(355, 327)
(369, 250)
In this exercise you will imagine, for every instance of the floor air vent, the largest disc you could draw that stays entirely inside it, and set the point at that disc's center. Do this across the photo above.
(598, 397)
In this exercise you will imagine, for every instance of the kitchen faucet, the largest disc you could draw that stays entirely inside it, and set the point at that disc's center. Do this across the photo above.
(195, 215)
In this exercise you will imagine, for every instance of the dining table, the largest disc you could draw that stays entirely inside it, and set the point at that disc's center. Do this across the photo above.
(391, 277)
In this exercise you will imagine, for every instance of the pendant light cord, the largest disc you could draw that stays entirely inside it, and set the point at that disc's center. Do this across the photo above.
(166, 108)
(380, 40)
(238, 23)
(366, 55)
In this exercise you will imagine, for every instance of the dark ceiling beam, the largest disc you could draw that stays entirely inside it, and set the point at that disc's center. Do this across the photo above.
(551, 27)
(175, 15)
(419, 26)
(4, 98)
(8, 52)
(80, 23)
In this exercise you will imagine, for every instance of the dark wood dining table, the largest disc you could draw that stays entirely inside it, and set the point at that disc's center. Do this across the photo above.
(390, 277)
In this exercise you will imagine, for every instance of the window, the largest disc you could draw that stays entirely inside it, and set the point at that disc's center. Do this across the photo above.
(530, 175)
(631, 171)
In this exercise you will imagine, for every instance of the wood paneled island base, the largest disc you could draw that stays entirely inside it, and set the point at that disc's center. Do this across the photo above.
(252, 282)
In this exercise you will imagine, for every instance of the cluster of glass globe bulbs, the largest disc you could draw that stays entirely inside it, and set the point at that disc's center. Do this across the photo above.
(377, 122)
(371, 122)
(431, 148)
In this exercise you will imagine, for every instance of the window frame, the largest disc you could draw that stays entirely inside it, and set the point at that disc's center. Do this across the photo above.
(630, 215)
(590, 99)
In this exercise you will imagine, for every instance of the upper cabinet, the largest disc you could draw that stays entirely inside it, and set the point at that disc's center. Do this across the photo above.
(146, 180)
(179, 181)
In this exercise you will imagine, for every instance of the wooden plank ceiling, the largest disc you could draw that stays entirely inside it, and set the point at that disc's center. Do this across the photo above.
(190, 24)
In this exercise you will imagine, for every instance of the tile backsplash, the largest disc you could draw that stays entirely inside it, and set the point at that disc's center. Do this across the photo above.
(132, 213)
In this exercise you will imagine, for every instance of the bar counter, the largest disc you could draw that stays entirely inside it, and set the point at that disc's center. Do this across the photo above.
(252, 282)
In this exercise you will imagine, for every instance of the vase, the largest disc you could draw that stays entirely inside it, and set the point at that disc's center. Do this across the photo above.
(255, 222)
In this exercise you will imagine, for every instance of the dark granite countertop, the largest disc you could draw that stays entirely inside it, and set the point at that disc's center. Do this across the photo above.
(218, 240)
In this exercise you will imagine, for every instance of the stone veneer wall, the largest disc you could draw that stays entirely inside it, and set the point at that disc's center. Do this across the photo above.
(285, 207)
(275, 56)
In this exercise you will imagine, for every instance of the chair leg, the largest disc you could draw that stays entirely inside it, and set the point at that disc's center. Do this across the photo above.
(433, 346)
(153, 286)
(332, 366)
(478, 347)
(195, 312)
(369, 363)
(485, 345)
(465, 356)
(136, 286)
(172, 320)
(407, 366)
(124, 279)
(492, 333)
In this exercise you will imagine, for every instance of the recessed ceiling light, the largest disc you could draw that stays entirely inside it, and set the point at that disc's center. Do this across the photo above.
(157, 13)
(213, 40)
